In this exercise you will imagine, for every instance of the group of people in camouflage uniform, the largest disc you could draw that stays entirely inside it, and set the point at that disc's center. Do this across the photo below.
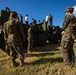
(15, 37)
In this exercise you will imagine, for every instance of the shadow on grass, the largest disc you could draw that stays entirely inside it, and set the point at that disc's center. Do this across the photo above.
(2, 42)
(39, 54)
(48, 47)
(46, 60)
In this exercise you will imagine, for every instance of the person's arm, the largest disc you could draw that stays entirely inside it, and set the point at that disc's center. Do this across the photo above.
(65, 23)
(5, 32)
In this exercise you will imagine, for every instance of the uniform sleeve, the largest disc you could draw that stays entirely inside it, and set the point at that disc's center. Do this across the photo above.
(5, 32)
(21, 29)
(65, 23)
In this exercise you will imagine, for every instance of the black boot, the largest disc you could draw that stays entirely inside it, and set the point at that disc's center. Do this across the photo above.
(14, 63)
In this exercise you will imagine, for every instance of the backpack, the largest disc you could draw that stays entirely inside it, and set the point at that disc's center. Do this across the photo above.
(11, 27)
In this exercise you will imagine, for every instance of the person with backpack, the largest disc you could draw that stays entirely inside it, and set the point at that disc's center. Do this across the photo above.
(14, 37)
(68, 37)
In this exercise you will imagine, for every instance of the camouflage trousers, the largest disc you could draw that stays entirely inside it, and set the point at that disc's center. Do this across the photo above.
(30, 44)
(67, 49)
(14, 51)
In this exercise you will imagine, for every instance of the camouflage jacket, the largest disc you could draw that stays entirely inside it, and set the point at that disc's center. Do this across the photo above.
(69, 26)
(67, 21)
(13, 31)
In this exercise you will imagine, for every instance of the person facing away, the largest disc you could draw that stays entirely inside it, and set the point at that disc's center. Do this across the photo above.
(68, 36)
(21, 18)
(14, 37)
(26, 19)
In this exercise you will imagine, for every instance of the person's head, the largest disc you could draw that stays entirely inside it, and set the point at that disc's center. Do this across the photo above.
(7, 9)
(20, 14)
(69, 10)
(39, 21)
(46, 15)
(33, 19)
(13, 15)
(26, 14)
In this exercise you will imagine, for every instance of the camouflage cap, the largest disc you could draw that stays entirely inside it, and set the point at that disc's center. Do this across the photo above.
(69, 9)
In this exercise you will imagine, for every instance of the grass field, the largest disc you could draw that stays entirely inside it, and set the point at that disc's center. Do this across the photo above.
(46, 60)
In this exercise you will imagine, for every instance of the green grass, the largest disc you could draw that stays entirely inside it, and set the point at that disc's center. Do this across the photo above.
(41, 61)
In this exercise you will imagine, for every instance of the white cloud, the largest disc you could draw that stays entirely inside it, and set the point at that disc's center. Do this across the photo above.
(74, 10)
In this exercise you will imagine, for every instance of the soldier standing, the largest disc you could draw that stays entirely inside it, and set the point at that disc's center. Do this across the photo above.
(14, 36)
(26, 19)
(34, 22)
(68, 37)
(30, 39)
(21, 18)
(47, 18)
(50, 19)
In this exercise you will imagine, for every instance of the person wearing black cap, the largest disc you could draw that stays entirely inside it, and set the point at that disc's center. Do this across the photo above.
(68, 37)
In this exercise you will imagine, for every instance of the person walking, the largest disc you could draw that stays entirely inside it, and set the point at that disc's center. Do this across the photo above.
(14, 37)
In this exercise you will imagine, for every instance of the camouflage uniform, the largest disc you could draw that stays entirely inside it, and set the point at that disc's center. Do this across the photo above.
(14, 37)
(32, 37)
(68, 39)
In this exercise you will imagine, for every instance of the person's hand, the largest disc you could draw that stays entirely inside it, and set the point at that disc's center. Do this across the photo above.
(62, 32)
